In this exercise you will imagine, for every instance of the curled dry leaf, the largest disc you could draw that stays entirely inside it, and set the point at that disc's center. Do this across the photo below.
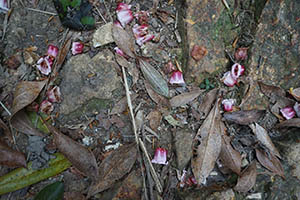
(80, 157)
(154, 118)
(295, 122)
(229, 156)
(156, 80)
(264, 138)
(160, 100)
(209, 136)
(185, 98)
(10, 157)
(207, 102)
(248, 178)
(270, 162)
(270, 90)
(121, 105)
(244, 117)
(114, 167)
(123, 40)
(26, 92)
(22, 123)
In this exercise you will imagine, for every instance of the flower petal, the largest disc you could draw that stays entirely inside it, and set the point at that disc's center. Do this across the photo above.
(228, 79)
(241, 53)
(288, 112)
(120, 52)
(177, 78)
(3, 6)
(54, 94)
(77, 48)
(228, 104)
(237, 70)
(140, 30)
(44, 65)
(46, 107)
(160, 156)
(52, 51)
(124, 14)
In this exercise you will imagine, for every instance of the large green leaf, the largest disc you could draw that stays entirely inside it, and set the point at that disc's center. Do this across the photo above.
(54, 191)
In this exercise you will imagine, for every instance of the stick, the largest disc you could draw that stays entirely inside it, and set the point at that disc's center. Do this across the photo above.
(41, 11)
(4, 107)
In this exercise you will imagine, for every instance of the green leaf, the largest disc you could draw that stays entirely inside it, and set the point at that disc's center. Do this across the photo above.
(87, 20)
(38, 122)
(75, 3)
(21, 177)
(54, 191)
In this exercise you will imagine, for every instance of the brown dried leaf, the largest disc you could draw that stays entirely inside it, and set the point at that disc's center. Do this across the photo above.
(244, 117)
(295, 122)
(156, 80)
(26, 92)
(185, 98)
(296, 93)
(248, 178)
(121, 105)
(63, 52)
(154, 118)
(122, 61)
(10, 157)
(114, 167)
(22, 123)
(123, 40)
(207, 102)
(5, 130)
(270, 162)
(270, 90)
(281, 102)
(134, 73)
(80, 157)
(209, 149)
(229, 156)
(264, 138)
(160, 100)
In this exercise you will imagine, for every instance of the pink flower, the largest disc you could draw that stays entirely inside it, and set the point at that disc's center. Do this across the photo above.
(160, 156)
(177, 78)
(288, 112)
(141, 40)
(237, 70)
(228, 104)
(117, 23)
(297, 109)
(46, 107)
(3, 6)
(77, 48)
(44, 64)
(140, 30)
(124, 14)
(54, 94)
(169, 67)
(241, 53)
(228, 79)
(52, 51)
(120, 52)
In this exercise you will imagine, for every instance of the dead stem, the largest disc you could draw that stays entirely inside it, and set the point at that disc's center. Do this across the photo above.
(42, 11)
(4, 107)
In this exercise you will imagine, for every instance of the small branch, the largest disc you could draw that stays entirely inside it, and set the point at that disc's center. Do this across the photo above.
(4, 107)
(41, 11)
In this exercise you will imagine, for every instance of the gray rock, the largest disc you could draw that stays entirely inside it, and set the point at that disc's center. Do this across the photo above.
(103, 35)
(88, 84)
(183, 147)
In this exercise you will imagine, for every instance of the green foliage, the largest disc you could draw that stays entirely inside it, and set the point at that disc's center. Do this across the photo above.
(54, 191)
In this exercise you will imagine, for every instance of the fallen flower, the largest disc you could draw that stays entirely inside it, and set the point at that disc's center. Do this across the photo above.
(44, 65)
(140, 30)
(77, 48)
(120, 52)
(169, 67)
(124, 14)
(228, 79)
(3, 6)
(52, 51)
(177, 78)
(118, 24)
(141, 40)
(228, 104)
(288, 112)
(54, 94)
(237, 70)
(160, 156)
(241, 53)
(46, 107)
(297, 109)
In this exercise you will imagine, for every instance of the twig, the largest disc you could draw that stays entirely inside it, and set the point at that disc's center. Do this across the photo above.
(42, 11)
(5, 24)
(151, 131)
(4, 107)
(101, 15)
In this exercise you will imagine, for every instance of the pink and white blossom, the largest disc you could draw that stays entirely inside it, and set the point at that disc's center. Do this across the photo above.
(124, 14)
(228, 104)
(3, 6)
(288, 112)
(54, 95)
(44, 64)
(46, 107)
(228, 79)
(118, 24)
(77, 48)
(177, 78)
(146, 38)
(140, 30)
(237, 70)
(120, 52)
(160, 156)
(52, 51)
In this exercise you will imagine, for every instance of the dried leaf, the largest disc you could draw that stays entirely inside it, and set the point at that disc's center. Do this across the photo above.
(154, 118)
(26, 92)
(207, 102)
(229, 156)
(160, 100)
(296, 93)
(80, 157)
(21, 122)
(248, 178)
(114, 167)
(10, 157)
(281, 102)
(209, 149)
(244, 117)
(63, 54)
(270, 90)
(123, 40)
(185, 98)
(158, 83)
(295, 122)
(122, 61)
(5, 130)
(121, 105)
(264, 138)
(270, 162)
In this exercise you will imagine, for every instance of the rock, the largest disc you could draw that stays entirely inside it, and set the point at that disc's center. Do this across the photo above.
(89, 85)
(103, 35)
(276, 50)
(293, 158)
(183, 147)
